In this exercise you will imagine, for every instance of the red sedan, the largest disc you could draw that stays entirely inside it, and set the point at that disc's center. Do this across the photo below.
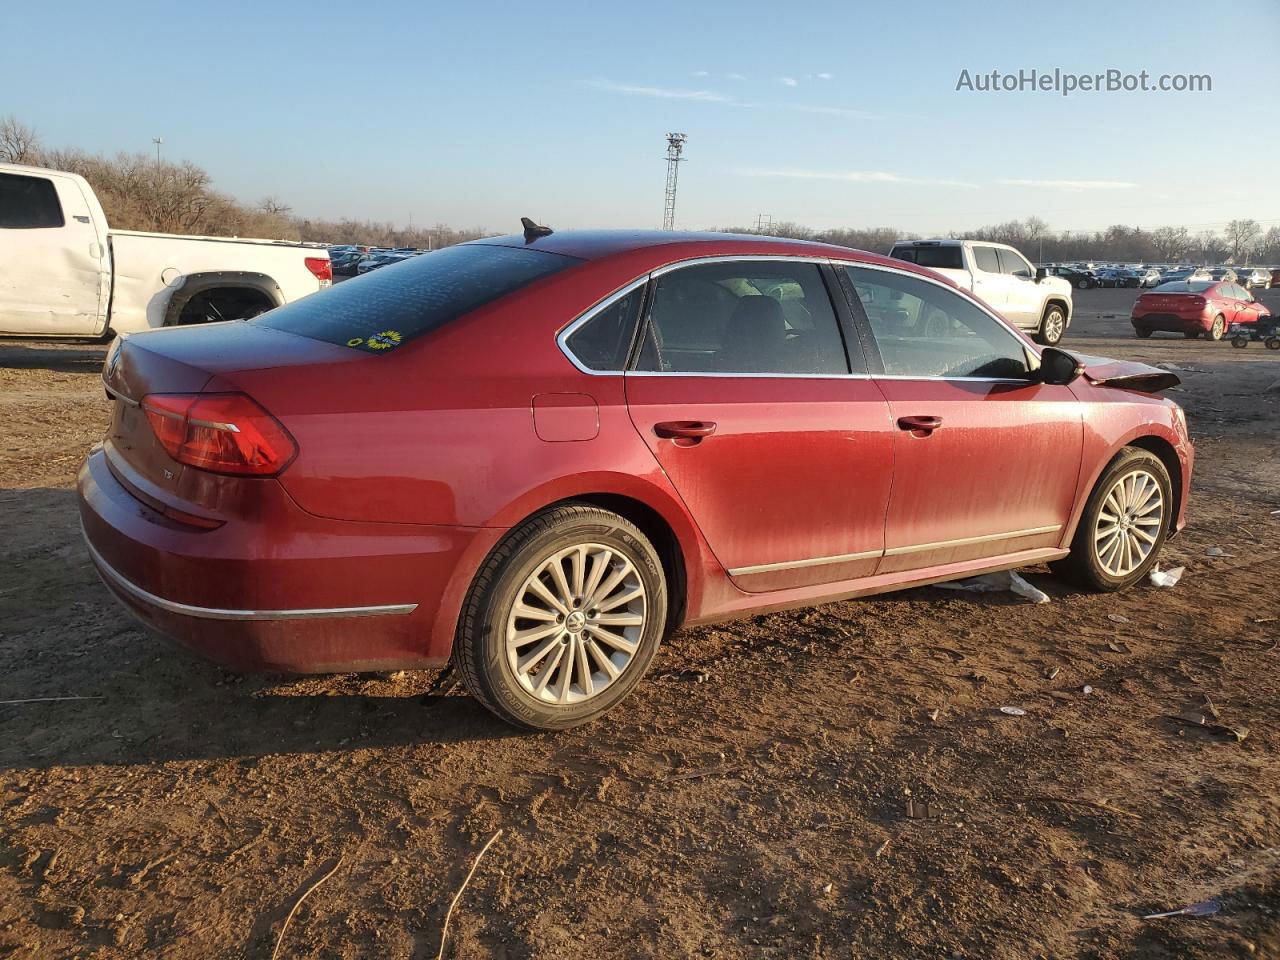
(1194, 308)
(535, 456)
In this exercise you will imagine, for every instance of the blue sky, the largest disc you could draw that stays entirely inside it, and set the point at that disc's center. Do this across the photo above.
(829, 114)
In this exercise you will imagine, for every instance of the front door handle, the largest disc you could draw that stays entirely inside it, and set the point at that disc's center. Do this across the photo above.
(918, 425)
(684, 429)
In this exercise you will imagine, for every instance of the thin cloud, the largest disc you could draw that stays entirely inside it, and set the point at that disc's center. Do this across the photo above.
(851, 176)
(665, 93)
(1071, 185)
(825, 76)
(835, 111)
(736, 76)
(701, 73)
(789, 81)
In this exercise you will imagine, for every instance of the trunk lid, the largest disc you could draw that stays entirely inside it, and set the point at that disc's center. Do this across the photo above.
(188, 360)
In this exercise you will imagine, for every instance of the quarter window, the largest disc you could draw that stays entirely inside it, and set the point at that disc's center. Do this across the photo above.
(747, 316)
(985, 258)
(28, 203)
(603, 342)
(925, 330)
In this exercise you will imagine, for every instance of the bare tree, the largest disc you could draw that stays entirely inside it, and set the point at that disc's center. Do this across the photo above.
(1240, 237)
(1171, 243)
(18, 142)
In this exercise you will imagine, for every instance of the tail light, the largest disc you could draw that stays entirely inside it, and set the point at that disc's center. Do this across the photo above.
(322, 267)
(220, 432)
(1197, 302)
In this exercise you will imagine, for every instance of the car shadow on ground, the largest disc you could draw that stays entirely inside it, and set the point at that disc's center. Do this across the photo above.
(62, 358)
(144, 700)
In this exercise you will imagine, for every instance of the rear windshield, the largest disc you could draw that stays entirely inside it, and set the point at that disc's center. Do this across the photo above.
(1183, 286)
(941, 258)
(384, 309)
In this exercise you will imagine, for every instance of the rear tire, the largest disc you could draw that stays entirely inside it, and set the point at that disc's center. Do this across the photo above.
(563, 619)
(1140, 333)
(1219, 328)
(1128, 512)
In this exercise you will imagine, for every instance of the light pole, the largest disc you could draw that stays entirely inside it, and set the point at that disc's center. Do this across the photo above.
(157, 141)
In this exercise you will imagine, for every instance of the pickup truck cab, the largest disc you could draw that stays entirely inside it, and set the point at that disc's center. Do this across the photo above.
(1025, 296)
(64, 273)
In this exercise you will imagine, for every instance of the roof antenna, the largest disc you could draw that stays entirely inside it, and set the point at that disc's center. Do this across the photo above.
(532, 231)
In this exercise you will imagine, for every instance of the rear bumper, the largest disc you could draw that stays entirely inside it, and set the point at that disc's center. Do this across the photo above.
(1171, 323)
(284, 590)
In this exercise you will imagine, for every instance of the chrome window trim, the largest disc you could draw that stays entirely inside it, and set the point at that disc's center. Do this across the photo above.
(562, 338)
(114, 577)
(568, 331)
(893, 551)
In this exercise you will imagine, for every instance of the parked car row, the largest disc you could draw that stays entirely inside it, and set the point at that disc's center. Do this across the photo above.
(349, 261)
(1084, 277)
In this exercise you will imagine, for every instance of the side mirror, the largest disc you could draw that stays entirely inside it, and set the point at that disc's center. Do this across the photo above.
(1057, 367)
(1041, 273)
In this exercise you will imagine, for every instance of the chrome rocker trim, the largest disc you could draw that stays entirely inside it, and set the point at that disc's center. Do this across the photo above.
(113, 577)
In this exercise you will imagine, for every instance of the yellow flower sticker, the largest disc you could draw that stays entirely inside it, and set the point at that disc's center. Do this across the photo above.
(384, 340)
(355, 341)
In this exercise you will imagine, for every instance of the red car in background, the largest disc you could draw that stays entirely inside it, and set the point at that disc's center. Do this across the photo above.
(535, 456)
(1195, 308)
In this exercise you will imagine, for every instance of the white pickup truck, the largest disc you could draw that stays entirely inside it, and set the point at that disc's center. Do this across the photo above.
(63, 273)
(1002, 277)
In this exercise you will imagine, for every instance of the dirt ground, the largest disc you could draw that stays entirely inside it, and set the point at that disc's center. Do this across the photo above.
(834, 782)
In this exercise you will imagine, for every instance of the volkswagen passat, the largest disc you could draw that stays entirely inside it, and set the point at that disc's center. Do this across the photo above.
(534, 456)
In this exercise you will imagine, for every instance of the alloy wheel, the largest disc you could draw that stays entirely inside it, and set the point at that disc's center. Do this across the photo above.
(1128, 525)
(576, 624)
(1054, 324)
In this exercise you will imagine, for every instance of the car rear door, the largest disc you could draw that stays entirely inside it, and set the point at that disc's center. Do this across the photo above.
(986, 460)
(744, 392)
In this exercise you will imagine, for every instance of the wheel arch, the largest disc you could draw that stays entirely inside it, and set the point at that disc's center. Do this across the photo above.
(1163, 449)
(1058, 301)
(229, 280)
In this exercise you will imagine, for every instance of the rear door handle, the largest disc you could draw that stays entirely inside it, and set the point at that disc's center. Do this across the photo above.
(919, 424)
(684, 429)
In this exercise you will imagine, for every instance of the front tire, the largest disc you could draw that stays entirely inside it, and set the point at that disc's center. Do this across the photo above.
(564, 618)
(1124, 524)
(1052, 326)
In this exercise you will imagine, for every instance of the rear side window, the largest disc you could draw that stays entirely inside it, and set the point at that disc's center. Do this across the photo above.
(938, 258)
(750, 316)
(986, 259)
(28, 203)
(384, 309)
(603, 342)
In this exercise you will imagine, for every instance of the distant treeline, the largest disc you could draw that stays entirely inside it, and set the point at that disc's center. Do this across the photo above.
(139, 193)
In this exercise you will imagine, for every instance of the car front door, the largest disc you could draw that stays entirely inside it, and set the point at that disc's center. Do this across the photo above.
(986, 460)
(743, 391)
(989, 283)
(51, 250)
(1023, 308)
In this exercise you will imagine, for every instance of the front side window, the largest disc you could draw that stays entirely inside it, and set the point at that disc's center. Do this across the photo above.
(28, 203)
(603, 342)
(924, 330)
(750, 316)
(384, 309)
(986, 259)
(1013, 264)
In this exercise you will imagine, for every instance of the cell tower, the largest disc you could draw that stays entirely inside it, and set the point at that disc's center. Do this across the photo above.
(675, 146)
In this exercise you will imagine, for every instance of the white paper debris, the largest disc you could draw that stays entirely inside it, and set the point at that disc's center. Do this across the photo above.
(1166, 578)
(1001, 582)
